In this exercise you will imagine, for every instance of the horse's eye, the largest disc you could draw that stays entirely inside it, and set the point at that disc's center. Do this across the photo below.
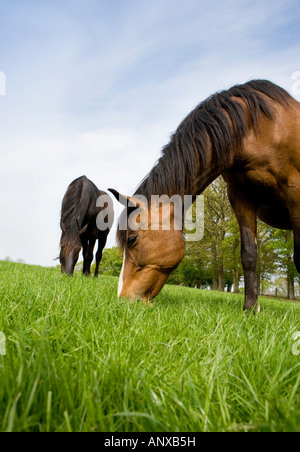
(131, 240)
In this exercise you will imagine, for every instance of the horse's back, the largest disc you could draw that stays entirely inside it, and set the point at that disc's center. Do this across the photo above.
(90, 209)
(269, 169)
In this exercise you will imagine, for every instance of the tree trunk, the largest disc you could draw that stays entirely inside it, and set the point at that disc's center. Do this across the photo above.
(236, 281)
(229, 288)
(290, 288)
(259, 284)
(221, 280)
(290, 279)
(215, 271)
(215, 281)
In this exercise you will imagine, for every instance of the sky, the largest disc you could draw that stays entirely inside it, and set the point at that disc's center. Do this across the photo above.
(96, 88)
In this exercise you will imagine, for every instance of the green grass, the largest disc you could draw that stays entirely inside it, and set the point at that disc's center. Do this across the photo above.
(78, 359)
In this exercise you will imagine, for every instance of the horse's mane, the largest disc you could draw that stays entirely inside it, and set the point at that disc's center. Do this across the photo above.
(220, 121)
(70, 207)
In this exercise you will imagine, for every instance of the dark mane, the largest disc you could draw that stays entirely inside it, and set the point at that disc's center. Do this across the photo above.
(70, 207)
(220, 121)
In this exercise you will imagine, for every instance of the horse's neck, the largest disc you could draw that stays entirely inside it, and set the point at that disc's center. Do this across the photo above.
(211, 170)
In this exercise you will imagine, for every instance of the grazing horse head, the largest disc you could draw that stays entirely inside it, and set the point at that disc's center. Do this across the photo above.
(153, 247)
(70, 247)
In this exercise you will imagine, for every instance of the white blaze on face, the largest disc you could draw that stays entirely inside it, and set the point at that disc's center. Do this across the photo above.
(120, 287)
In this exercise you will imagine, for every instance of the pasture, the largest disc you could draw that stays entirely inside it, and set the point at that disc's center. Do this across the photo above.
(78, 359)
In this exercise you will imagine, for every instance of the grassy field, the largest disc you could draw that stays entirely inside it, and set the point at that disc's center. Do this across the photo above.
(78, 359)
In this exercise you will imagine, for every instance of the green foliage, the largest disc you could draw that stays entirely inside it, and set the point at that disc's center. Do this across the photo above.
(79, 359)
(191, 274)
(111, 263)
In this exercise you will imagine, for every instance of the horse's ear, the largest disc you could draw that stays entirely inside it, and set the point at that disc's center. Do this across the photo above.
(83, 230)
(127, 201)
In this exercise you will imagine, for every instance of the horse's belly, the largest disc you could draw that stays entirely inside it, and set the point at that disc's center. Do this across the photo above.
(262, 189)
(275, 216)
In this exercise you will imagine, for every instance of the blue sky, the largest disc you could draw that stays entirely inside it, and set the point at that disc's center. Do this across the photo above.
(96, 87)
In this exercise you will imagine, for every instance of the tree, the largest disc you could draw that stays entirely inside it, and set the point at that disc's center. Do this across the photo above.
(111, 263)
(232, 253)
(217, 254)
(191, 273)
(283, 245)
(266, 256)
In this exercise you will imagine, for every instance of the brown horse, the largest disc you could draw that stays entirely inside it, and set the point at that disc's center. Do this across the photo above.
(79, 216)
(250, 134)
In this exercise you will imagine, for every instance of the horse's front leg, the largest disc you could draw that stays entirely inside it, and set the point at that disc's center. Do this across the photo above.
(249, 263)
(247, 219)
(89, 254)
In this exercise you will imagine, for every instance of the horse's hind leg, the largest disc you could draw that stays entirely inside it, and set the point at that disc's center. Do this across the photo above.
(84, 250)
(247, 218)
(101, 245)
